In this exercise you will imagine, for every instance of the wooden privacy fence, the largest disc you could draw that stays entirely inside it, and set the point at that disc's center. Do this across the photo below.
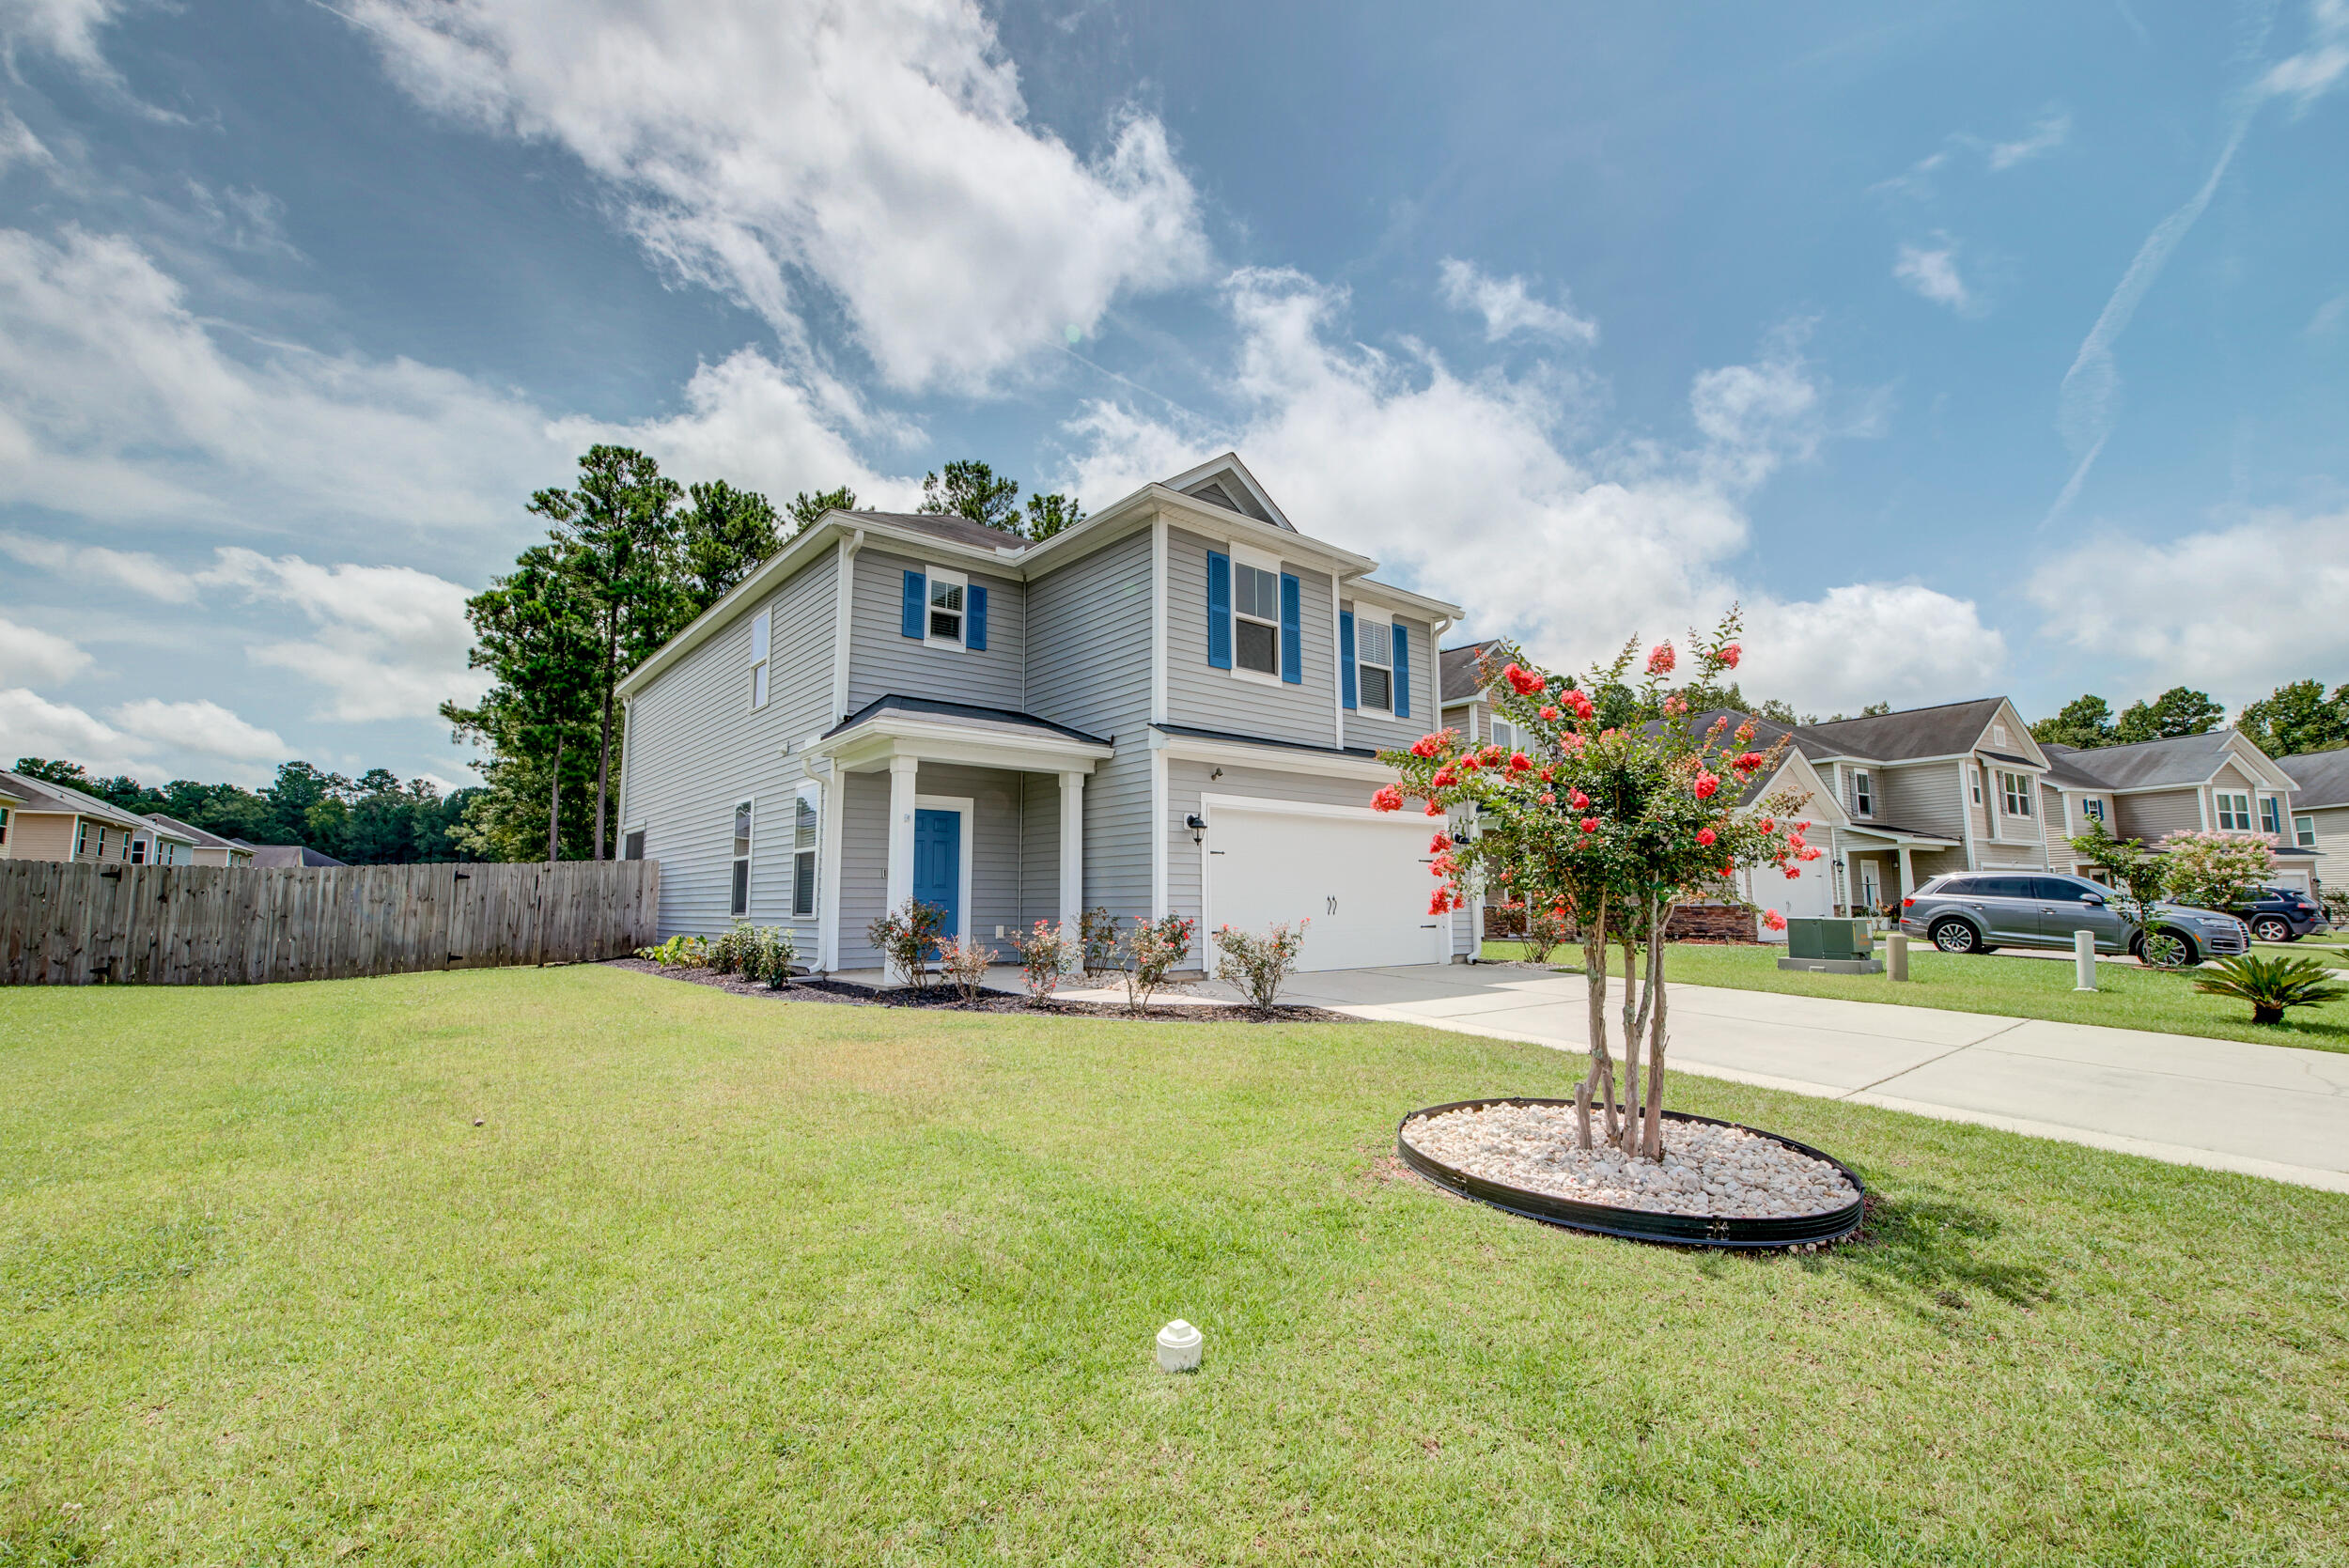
(71, 924)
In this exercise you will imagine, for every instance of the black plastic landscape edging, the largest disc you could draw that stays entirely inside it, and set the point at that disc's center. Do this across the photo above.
(1676, 1230)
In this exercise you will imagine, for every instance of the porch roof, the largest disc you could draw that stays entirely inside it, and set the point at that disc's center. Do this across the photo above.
(1913, 837)
(894, 725)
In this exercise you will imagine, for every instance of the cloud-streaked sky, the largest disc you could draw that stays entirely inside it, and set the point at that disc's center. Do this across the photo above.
(1971, 348)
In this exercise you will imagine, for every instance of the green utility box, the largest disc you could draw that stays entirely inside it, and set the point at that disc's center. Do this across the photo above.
(1837, 946)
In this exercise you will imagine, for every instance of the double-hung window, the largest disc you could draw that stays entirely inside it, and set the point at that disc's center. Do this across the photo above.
(740, 905)
(633, 845)
(2016, 790)
(1373, 659)
(4, 825)
(2093, 808)
(803, 826)
(101, 843)
(81, 838)
(762, 635)
(948, 589)
(1863, 792)
(2271, 816)
(138, 851)
(1505, 734)
(1255, 618)
(2303, 830)
(2234, 811)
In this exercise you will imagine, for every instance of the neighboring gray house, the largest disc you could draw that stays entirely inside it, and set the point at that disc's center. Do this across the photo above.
(282, 855)
(203, 849)
(2319, 811)
(2152, 788)
(1172, 708)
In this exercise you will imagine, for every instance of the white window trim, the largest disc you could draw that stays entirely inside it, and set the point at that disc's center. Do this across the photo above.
(1258, 560)
(1863, 792)
(2021, 791)
(762, 660)
(2220, 798)
(2091, 806)
(1384, 621)
(931, 578)
(2263, 808)
(2304, 832)
(812, 792)
(745, 860)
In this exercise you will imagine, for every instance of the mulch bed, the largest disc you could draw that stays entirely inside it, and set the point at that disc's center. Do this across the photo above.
(945, 999)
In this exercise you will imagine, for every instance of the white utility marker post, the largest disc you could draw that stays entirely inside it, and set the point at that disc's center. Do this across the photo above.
(2083, 960)
(1896, 957)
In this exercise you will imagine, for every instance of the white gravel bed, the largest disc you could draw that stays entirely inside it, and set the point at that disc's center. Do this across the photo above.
(1710, 1170)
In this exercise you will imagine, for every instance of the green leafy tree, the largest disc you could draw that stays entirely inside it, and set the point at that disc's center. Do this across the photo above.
(2180, 710)
(1051, 514)
(725, 533)
(2297, 717)
(67, 773)
(806, 510)
(2085, 722)
(971, 488)
(618, 529)
(2140, 880)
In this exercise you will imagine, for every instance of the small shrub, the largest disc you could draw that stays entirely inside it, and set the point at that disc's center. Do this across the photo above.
(1152, 949)
(690, 952)
(2335, 904)
(1545, 930)
(1045, 953)
(772, 952)
(1259, 964)
(963, 965)
(905, 937)
(1096, 942)
(2271, 985)
(731, 953)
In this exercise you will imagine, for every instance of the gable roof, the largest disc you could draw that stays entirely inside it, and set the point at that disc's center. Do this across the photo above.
(1948, 729)
(2177, 762)
(2322, 777)
(2060, 771)
(1224, 481)
(190, 833)
(268, 855)
(1458, 669)
(948, 526)
(40, 795)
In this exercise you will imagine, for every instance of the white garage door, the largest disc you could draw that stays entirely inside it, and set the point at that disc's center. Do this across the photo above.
(1811, 895)
(1362, 877)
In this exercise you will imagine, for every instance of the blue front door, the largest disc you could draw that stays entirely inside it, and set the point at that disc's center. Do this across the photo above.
(938, 866)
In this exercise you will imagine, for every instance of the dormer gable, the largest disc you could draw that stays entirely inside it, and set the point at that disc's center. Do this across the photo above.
(1225, 482)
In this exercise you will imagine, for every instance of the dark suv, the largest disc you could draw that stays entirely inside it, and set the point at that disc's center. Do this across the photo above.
(1981, 911)
(2281, 914)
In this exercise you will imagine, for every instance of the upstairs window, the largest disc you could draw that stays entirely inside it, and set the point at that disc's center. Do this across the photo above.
(1255, 618)
(2303, 830)
(2271, 816)
(2016, 790)
(1373, 659)
(101, 843)
(946, 606)
(81, 839)
(2234, 811)
(1863, 792)
(804, 824)
(2094, 808)
(1505, 734)
(740, 905)
(4, 824)
(762, 632)
(138, 851)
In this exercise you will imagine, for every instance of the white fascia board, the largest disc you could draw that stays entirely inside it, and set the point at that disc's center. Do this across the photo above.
(1271, 759)
(885, 736)
(1392, 599)
(1248, 482)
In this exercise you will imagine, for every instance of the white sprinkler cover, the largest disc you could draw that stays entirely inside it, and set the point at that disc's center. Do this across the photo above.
(1179, 1344)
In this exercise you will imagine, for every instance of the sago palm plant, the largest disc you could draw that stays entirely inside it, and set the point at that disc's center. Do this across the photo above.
(2271, 985)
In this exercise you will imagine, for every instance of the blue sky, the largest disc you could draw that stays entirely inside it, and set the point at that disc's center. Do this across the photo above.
(1972, 348)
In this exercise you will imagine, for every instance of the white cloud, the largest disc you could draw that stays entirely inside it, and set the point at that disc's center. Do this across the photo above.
(2205, 608)
(2051, 132)
(137, 570)
(1508, 309)
(33, 726)
(1932, 274)
(1467, 490)
(2304, 76)
(387, 642)
(204, 727)
(66, 28)
(882, 152)
(28, 653)
(18, 145)
(2327, 316)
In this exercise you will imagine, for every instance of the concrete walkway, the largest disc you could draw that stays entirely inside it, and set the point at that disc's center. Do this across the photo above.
(2270, 1111)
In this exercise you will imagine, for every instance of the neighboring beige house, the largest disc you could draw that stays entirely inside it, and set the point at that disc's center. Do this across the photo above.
(2319, 811)
(2217, 780)
(55, 822)
(203, 849)
(1463, 705)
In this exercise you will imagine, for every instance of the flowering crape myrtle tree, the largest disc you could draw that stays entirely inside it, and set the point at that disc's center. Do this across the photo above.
(1618, 826)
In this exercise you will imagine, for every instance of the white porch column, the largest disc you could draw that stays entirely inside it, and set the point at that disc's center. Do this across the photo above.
(1908, 875)
(1851, 898)
(901, 772)
(1072, 847)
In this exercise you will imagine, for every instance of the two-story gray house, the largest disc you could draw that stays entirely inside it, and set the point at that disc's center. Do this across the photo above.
(1172, 708)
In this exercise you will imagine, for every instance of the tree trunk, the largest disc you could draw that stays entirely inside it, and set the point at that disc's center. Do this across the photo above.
(555, 806)
(603, 759)
(1582, 1115)
(1654, 1141)
(1602, 1073)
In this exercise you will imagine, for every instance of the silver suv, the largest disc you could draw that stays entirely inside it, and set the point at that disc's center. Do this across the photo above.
(1978, 912)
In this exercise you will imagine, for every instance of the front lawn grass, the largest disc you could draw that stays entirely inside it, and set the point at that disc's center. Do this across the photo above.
(2127, 996)
(727, 1279)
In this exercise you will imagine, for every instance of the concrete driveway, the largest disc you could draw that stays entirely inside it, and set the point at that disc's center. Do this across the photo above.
(2270, 1111)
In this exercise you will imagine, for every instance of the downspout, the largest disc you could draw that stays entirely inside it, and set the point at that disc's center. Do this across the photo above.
(842, 612)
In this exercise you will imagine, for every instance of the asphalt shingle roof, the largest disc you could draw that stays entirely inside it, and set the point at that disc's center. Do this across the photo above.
(1457, 667)
(947, 526)
(1945, 730)
(2322, 777)
(40, 795)
(2183, 759)
(188, 830)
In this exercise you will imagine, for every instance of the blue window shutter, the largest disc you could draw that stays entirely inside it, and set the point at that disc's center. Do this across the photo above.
(974, 618)
(917, 604)
(1219, 611)
(1402, 671)
(1292, 633)
(1346, 656)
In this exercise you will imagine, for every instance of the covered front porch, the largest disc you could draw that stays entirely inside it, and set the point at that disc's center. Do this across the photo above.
(1882, 865)
(979, 811)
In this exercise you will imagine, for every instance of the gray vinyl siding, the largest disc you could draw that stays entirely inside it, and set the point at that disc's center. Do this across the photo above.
(1199, 694)
(1089, 627)
(2332, 845)
(2156, 813)
(695, 747)
(1923, 797)
(993, 851)
(1186, 782)
(882, 660)
(1039, 848)
(1381, 733)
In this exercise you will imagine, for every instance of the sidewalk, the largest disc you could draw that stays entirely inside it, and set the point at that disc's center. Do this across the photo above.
(2268, 1111)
